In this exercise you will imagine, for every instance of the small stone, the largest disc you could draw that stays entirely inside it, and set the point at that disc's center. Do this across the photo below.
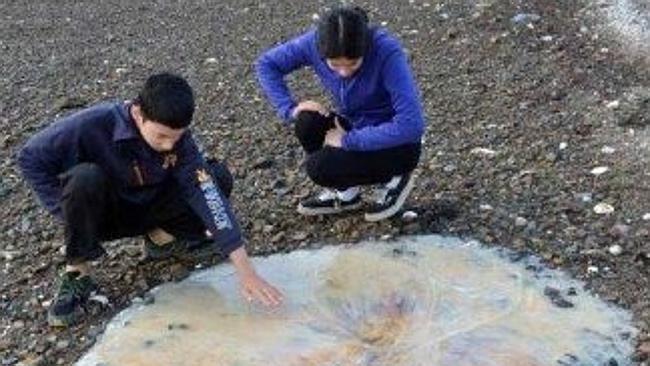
(277, 237)
(619, 231)
(613, 104)
(485, 207)
(552, 157)
(18, 324)
(585, 197)
(607, 150)
(646, 217)
(8, 255)
(603, 208)
(483, 152)
(409, 216)
(599, 170)
(178, 271)
(63, 344)
(5, 344)
(547, 38)
(268, 229)
(563, 145)
(300, 236)
(315, 17)
(449, 168)
(592, 269)
(211, 60)
(521, 222)
(615, 250)
(524, 18)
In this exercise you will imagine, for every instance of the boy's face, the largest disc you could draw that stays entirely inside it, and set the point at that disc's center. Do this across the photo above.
(159, 137)
(343, 66)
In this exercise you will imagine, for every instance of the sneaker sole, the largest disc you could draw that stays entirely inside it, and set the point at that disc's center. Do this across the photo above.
(392, 210)
(63, 321)
(326, 210)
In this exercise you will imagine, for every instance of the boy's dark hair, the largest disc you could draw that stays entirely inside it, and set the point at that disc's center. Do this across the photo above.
(167, 99)
(343, 32)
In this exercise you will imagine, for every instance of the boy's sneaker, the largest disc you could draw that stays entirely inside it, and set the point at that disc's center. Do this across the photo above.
(178, 248)
(163, 251)
(390, 198)
(67, 306)
(328, 202)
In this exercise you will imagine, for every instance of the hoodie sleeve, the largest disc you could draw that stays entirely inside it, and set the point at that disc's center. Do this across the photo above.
(46, 155)
(407, 125)
(274, 64)
(204, 196)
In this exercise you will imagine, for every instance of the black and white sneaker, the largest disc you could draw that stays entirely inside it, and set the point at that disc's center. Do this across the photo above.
(390, 198)
(327, 203)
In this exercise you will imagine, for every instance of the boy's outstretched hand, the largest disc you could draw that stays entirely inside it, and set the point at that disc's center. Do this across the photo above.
(255, 288)
(252, 286)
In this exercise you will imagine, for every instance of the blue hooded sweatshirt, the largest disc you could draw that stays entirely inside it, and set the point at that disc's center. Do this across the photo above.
(380, 100)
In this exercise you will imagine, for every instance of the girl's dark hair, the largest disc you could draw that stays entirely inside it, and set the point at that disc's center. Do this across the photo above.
(343, 32)
(167, 99)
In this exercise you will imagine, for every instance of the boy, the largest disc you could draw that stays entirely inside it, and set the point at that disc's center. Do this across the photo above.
(123, 169)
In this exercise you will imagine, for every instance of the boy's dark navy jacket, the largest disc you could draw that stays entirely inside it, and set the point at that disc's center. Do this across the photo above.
(106, 135)
(381, 99)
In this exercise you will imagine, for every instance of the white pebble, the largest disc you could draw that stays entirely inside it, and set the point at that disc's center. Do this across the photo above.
(486, 207)
(603, 208)
(482, 151)
(613, 104)
(211, 60)
(563, 145)
(599, 170)
(315, 17)
(646, 217)
(607, 150)
(547, 38)
(592, 269)
(409, 216)
(615, 249)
